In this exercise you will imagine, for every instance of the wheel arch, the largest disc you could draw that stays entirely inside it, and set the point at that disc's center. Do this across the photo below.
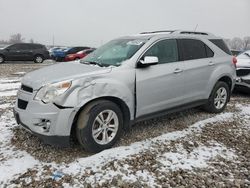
(227, 80)
(119, 102)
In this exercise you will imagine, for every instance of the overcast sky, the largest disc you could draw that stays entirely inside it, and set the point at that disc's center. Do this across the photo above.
(93, 22)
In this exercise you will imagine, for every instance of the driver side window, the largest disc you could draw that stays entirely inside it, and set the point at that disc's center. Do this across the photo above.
(165, 50)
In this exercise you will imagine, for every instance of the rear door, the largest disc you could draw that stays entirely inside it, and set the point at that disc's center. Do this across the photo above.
(27, 51)
(160, 87)
(199, 65)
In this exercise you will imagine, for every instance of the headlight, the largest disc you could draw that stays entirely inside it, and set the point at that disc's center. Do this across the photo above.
(49, 92)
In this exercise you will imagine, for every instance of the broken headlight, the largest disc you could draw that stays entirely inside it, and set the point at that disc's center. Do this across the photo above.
(49, 92)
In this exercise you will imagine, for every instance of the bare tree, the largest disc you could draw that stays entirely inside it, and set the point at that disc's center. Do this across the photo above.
(246, 43)
(31, 41)
(16, 38)
(236, 43)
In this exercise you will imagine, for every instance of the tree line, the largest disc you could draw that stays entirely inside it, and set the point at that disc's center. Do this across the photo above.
(236, 43)
(15, 38)
(240, 44)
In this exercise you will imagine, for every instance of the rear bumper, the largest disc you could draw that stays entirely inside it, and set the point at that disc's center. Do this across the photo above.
(60, 141)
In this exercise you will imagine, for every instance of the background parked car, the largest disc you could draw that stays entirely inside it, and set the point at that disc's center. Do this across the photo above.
(236, 52)
(79, 55)
(60, 54)
(243, 72)
(24, 52)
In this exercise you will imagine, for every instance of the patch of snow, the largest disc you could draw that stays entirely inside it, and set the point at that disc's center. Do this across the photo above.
(13, 161)
(198, 158)
(18, 161)
(9, 80)
(8, 93)
(9, 86)
(122, 152)
(5, 105)
(19, 73)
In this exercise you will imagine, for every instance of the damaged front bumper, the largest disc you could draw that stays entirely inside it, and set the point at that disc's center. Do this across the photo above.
(48, 122)
(243, 80)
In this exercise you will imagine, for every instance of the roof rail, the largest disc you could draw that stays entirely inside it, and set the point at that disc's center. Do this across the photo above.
(193, 33)
(163, 31)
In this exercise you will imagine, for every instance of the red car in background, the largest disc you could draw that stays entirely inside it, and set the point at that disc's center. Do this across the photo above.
(78, 55)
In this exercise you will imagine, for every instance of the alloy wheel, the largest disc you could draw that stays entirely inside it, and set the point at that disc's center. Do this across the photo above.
(105, 127)
(220, 98)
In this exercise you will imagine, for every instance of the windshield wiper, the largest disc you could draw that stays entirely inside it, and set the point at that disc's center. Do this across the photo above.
(247, 54)
(92, 63)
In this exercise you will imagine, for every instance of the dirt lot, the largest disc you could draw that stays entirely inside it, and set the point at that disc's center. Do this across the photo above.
(191, 148)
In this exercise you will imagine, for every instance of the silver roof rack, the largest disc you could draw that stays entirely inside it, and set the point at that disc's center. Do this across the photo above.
(155, 32)
(193, 33)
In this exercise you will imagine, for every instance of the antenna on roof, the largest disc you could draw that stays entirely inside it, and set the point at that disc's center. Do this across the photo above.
(195, 27)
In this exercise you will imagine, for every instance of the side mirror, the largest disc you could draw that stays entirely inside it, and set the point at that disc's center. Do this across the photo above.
(148, 60)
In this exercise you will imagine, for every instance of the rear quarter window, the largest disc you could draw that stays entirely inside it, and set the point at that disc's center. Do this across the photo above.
(222, 45)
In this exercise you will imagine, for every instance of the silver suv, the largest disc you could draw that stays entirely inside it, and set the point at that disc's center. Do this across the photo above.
(127, 80)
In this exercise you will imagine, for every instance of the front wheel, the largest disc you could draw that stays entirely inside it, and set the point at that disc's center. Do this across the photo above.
(218, 98)
(99, 125)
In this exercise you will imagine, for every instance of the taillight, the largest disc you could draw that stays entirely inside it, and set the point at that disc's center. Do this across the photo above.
(234, 61)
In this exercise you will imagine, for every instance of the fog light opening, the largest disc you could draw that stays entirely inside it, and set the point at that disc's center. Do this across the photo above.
(44, 124)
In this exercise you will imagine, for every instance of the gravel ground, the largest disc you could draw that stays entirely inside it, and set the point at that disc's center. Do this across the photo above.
(191, 148)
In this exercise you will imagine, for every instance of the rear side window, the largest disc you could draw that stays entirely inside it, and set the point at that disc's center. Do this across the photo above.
(165, 50)
(222, 45)
(38, 46)
(192, 49)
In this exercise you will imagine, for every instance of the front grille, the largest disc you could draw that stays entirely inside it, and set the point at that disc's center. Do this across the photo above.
(22, 104)
(242, 72)
(26, 88)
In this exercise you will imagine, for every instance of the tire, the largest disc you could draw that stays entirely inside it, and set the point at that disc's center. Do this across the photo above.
(93, 124)
(218, 98)
(2, 59)
(38, 59)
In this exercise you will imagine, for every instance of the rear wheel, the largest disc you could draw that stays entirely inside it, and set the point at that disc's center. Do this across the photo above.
(218, 98)
(38, 59)
(99, 125)
(1, 59)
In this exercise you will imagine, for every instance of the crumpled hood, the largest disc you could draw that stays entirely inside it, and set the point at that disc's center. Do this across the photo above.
(243, 63)
(60, 72)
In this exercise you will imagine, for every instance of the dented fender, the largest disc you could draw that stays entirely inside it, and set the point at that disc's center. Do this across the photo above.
(107, 85)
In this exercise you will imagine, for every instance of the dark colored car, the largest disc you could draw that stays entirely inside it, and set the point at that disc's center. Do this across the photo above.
(59, 55)
(79, 55)
(236, 52)
(24, 52)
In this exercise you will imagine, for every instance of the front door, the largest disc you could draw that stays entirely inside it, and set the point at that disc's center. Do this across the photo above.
(160, 87)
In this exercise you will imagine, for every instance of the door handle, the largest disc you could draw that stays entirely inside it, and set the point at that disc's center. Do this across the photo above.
(176, 71)
(211, 63)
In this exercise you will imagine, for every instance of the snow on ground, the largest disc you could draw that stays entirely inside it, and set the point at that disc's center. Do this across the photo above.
(19, 161)
(9, 87)
(198, 158)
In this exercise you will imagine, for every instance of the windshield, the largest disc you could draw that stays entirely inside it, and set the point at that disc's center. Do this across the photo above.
(114, 52)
